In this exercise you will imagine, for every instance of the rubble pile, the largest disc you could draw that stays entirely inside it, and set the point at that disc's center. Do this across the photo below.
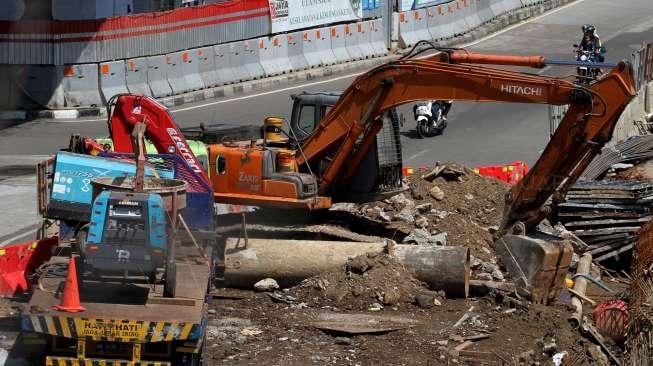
(371, 281)
(449, 205)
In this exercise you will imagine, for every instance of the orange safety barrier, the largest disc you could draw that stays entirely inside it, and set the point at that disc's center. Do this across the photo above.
(19, 261)
(407, 171)
(510, 173)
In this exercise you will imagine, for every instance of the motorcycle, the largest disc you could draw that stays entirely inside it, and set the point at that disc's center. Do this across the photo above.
(587, 73)
(430, 119)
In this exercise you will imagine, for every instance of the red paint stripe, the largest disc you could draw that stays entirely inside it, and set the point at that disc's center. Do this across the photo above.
(99, 38)
(132, 21)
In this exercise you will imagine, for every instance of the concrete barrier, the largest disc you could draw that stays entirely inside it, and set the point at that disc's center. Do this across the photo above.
(296, 51)
(311, 52)
(484, 11)
(80, 85)
(223, 68)
(420, 19)
(498, 7)
(338, 46)
(323, 39)
(512, 4)
(157, 77)
(377, 37)
(191, 70)
(136, 76)
(430, 15)
(175, 73)
(267, 58)
(351, 42)
(237, 61)
(112, 79)
(434, 22)
(364, 42)
(413, 27)
(458, 24)
(195, 69)
(471, 14)
(442, 27)
(42, 82)
(251, 59)
(206, 67)
(280, 53)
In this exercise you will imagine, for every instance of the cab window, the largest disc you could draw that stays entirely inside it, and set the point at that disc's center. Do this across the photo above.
(307, 118)
(220, 165)
(324, 110)
(204, 162)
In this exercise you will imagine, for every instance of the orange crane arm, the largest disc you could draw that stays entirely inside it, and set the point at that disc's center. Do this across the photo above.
(346, 133)
(161, 130)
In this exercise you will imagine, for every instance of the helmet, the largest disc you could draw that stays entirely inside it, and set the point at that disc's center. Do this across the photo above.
(588, 28)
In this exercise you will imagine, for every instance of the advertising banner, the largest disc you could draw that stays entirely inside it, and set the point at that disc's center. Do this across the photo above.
(287, 15)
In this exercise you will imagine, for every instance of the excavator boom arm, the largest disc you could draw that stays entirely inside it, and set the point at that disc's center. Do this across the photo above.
(594, 111)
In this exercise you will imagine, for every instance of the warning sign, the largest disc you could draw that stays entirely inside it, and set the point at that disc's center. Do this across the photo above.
(111, 330)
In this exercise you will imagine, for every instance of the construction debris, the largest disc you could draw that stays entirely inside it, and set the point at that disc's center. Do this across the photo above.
(291, 261)
(266, 284)
(580, 285)
(361, 323)
(632, 150)
(607, 214)
(382, 280)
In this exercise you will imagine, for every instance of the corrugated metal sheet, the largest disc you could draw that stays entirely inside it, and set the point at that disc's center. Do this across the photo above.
(64, 42)
(138, 35)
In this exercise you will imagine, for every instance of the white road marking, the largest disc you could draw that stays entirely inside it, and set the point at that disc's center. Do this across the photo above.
(13, 239)
(417, 155)
(245, 97)
(544, 69)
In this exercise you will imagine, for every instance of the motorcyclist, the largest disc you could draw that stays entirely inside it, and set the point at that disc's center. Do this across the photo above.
(446, 106)
(591, 42)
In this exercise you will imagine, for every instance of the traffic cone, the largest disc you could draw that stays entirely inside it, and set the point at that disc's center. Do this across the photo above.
(70, 297)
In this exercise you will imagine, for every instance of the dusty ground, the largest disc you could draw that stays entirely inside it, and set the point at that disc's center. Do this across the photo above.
(372, 311)
(287, 327)
(256, 330)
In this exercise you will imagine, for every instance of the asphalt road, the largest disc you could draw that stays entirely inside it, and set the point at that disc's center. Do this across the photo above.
(489, 133)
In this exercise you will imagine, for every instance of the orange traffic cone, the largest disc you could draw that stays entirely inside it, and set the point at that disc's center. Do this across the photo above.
(70, 297)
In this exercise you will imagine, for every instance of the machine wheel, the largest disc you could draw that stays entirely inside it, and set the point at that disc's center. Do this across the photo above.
(170, 280)
(80, 238)
(439, 127)
(423, 129)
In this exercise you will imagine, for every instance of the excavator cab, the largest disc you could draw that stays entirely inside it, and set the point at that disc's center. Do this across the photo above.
(266, 170)
(380, 172)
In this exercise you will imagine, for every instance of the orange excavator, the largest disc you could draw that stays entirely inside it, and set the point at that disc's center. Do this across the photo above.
(341, 142)
(308, 173)
(322, 166)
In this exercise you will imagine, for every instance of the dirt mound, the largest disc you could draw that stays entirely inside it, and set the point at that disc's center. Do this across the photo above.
(477, 197)
(364, 281)
(455, 201)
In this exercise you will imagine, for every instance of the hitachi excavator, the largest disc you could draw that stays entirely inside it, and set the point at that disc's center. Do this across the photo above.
(307, 173)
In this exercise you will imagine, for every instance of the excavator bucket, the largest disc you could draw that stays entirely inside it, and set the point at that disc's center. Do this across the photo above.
(537, 264)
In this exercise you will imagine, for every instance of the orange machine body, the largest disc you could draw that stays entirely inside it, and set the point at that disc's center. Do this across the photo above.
(246, 173)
